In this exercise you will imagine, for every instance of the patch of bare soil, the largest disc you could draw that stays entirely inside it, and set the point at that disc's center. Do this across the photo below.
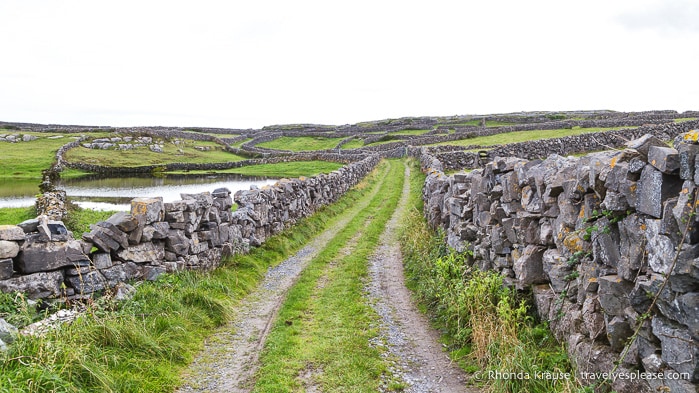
(417, 357)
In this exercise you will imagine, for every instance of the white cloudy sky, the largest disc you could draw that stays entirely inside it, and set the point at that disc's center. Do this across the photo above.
(242, 64)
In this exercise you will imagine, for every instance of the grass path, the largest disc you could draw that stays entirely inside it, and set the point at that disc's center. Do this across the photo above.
(229, 359)
(322, 338)
(328, 318)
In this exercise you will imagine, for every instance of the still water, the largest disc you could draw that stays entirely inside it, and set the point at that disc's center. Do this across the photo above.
(115, 193)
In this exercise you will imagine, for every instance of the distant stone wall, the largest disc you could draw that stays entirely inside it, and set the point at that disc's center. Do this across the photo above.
(594, 238)
(321, 156)
(42, 259)
(563, 146)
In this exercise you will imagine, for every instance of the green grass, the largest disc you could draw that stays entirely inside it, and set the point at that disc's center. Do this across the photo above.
(684, 119)
(26, 160)
(301, 143)
(239, 144)
(353, 144)
(15, 215)
(290, 169)
(141, 345)
(184, 153)
(327, 327)
(79, 220)
(409, 132)
(523, 136)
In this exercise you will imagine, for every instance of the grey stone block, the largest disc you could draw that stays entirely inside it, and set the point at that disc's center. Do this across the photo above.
(144, 252)
(102, 260)
(665, 159)
(6, 268)
(613, 296)
(11, 232)
(37, 257)
(675, 351)
(36, 286)
(528, 268)
(8, 249)
(653, 188)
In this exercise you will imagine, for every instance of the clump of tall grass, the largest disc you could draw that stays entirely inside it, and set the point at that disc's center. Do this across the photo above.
(487, 323)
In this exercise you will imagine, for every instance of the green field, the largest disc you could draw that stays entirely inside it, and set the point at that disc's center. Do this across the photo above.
(282, 169)
(409, 132)
(239, 144)
(301, 143)
(26, 160)
(183, 152)
(353, 144)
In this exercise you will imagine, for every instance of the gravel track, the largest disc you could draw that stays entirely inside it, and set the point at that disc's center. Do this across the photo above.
(229, 359)
(415, 354)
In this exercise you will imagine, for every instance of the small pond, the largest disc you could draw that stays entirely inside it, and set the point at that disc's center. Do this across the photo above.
(115, 193)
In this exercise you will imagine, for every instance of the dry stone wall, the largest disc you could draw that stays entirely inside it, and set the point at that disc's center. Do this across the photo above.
(595, 239)
(43, 259)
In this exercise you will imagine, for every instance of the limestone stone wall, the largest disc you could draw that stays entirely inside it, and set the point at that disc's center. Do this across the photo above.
(595, 239)
(542, 148)
(43, 259)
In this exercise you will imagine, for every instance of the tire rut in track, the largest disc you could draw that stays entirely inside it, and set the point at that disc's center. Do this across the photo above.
(229, 359)
(413, 348)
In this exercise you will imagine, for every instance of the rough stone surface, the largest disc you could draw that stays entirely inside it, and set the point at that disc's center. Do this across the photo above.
(8, 249)
(36, 257)
(11, 232)
(7, 331)
(606, 233)
(6, 268)
(675, 351)
(36, 286)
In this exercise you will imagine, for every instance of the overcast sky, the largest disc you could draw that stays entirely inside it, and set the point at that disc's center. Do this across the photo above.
(247, 64)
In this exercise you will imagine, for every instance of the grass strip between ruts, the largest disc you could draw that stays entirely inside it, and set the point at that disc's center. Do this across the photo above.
(322, 332)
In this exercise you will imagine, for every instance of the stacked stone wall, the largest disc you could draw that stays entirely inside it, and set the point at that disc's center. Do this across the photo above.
(595, 239)
(564, 146)
(42, 259)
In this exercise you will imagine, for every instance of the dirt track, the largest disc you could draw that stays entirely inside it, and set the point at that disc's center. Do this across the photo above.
(229, 360)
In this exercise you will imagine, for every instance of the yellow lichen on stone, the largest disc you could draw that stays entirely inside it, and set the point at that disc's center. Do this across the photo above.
(138, 207)
(692, 136)
(573, 242)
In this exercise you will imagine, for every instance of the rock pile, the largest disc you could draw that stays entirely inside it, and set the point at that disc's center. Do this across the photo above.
(594, 238)
(12, 138)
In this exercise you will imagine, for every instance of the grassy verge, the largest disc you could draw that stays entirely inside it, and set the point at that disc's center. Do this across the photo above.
(15, 215)
(301, 143)
(488, 327)
(323, 327)
(141, 345)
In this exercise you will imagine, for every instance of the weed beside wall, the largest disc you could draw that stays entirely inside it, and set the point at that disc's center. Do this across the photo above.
(490, 329)
(607, 243)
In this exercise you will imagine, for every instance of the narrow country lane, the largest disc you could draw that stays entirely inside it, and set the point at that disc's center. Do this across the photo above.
(229, 359)
(334, 317)
(418, 356)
